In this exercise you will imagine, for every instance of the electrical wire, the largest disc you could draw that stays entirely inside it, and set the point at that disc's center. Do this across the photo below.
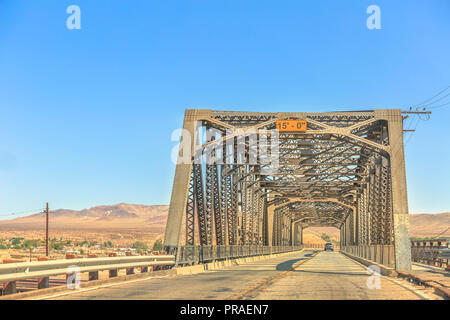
(440, 106)
(22, 212)
(441, 233)
(414, 130)
(426, 104)
(425, 101)
(433, 102)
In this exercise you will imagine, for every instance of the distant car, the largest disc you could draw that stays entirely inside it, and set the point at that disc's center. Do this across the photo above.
(329, 246)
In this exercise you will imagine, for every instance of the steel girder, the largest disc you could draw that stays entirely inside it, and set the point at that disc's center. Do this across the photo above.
(338, 173)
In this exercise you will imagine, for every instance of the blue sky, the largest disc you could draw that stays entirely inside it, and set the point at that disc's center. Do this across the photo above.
(86, 115)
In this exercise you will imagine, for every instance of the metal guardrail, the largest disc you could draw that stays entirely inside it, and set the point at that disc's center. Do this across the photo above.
(201, 254)
(431, 252)
(11, 272)
(25, 270)
(444, 254)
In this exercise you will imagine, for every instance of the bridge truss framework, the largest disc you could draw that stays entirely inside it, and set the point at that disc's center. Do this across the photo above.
(346, 170)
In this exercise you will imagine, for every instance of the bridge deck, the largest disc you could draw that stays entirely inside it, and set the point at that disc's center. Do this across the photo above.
(328, 275)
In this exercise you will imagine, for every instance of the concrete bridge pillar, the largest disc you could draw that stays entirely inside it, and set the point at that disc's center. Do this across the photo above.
(297, 234)
(9, 287)
(269, 235)
(43, 282)
(179, 196)
(402, 244)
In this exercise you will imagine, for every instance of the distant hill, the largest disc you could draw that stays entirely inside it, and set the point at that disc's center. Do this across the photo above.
(134, 216)
(420, 225)
(430, 225)
(119, 216)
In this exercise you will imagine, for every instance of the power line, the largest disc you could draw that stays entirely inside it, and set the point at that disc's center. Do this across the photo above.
(414, 130)
(436, 95)
(22, 212)
(433, 102)
(417, 119)
(440, 106)
(418, 115)
(441, 233)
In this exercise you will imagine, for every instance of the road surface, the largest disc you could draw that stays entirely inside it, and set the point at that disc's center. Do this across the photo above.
(327, 275)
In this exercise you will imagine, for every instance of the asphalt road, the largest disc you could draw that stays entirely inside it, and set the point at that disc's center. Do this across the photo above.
(332, 276)
(328, 275)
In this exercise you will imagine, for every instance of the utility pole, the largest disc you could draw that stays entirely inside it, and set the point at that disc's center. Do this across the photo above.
(46, 230)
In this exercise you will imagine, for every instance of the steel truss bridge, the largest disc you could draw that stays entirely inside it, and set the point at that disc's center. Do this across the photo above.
(346, 170)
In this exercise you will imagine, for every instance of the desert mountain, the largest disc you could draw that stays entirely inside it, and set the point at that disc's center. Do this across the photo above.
(420, 225)
(119, 216)
(430, 225)
(133, 216)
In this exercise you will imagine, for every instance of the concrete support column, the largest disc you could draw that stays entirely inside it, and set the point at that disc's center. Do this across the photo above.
(177, 208)
(355, 227)
(347, 231)
(93, 275)
(113, 273)
(402, 245)
(9, 287)
(43, 283)
(300, 234)
(344, 234)
(269, 235)
(297, 234)
(293, 233)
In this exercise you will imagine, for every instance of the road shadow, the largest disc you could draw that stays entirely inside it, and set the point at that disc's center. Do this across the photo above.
(310, 254)
(287, 265)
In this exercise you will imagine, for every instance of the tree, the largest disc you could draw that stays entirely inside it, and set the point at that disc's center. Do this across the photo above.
(157, 245)
(138, 245)
(107, 244)
(29, 244)
(84, 243)
(16, 241)
(56, 245)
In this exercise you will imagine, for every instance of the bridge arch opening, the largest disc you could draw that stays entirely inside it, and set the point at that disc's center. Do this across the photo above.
(317, 236)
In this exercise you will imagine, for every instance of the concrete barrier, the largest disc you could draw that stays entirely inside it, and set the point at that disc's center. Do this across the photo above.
(386, 271)
(226, 263)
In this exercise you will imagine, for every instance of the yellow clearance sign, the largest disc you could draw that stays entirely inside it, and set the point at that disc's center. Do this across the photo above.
(291, 125)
